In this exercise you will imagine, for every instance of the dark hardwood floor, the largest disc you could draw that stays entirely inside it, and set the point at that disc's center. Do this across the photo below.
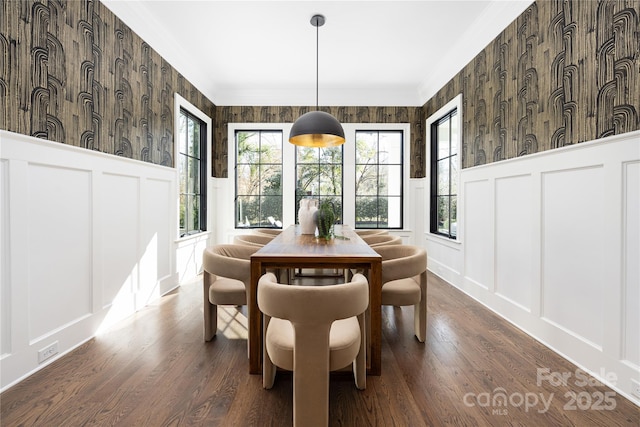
(153, 369)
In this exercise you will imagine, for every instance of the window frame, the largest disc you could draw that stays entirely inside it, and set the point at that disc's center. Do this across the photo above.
(455, 105)
(181, 103)
(321, 197)
(226, 219)
(402, 165)
(260, 195)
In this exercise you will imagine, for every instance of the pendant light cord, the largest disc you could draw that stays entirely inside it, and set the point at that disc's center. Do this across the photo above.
(317, 62)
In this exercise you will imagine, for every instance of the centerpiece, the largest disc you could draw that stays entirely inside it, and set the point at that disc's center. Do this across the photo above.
(325, 218)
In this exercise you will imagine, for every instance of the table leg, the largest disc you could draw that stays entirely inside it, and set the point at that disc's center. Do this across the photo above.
(255, 321)
(375, 300)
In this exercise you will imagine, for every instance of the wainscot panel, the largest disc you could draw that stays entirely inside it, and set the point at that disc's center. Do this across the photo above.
(87, 238)
(551, 242)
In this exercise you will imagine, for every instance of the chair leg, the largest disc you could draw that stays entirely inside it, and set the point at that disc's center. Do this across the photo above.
(360, 364)
(268, 368)
(420, 311)
(210, 310)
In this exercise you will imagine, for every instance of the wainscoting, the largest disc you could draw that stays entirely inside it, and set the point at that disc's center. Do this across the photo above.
(551, 242)
(87, 239)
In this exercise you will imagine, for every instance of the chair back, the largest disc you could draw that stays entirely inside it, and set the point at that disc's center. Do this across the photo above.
(268, 231)
(252, 239)
(382, 240)
(226, 260)
(363, 233)
(312, 304)
(304, 318)
(401, 261)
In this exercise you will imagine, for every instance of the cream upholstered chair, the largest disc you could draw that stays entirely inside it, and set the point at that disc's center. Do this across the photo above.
(258, 241)
(363, 233)
(376, 240)
(308, 333)
(226, 277)
(404, 281)
(268, 231)
(252, 239)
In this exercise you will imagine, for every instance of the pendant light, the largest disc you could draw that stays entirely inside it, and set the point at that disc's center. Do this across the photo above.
(317, 128)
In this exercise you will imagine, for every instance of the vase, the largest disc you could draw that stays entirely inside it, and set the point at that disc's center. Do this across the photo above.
(308, 208)
(325, 218)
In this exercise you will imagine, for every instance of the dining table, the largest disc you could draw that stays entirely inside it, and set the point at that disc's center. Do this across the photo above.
(293, 250)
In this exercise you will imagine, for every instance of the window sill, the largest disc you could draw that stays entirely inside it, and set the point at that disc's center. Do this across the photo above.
(196, 236)
(454, 244)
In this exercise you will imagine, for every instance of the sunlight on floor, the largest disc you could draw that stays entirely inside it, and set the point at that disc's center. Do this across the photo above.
(232, 323)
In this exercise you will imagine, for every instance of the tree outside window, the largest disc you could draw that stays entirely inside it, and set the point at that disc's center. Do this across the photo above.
(379, 185)
(444, 175)
(319, 175)
(192, 173)
(258, 179)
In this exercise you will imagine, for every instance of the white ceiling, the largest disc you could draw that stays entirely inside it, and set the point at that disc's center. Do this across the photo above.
(374, 53)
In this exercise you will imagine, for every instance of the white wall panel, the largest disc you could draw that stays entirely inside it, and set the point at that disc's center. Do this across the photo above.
(563, 260)
(478, 232)
(631, 265)
(120, 213)
(90, 238)
(59, 212)
(5, 290)
(514, 239)
(574, 227)
(157, 244)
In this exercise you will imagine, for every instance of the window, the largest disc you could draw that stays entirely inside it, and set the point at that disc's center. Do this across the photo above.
(378, 182)
(273, 175)
(319, 175)
(258, 178)
(192, 139)
(444, 174)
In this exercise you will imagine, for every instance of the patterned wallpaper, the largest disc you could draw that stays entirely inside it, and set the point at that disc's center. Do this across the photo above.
(74, 73)
(562, 73)
(412, 115)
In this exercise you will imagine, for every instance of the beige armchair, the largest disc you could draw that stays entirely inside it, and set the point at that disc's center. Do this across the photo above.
(226, 277)
(404, 281)
(309, 333)
(268, 231)
(252, 239)
(376, 240)
(363, 233)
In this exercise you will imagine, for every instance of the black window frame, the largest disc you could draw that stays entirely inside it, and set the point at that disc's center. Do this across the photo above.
(321, 197)
(377, 164)
(202, 179)
(260, 195)
(434, 195)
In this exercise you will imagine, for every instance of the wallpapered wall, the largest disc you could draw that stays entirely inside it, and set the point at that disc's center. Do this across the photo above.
(72, 72)
(266, 114)
(562, 73)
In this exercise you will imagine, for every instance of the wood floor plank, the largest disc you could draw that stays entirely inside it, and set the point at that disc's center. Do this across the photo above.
(154, 369)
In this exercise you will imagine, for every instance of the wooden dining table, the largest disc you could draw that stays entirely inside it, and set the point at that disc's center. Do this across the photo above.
(293, 250)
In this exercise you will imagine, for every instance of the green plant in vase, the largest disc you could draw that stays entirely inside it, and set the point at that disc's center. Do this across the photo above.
(325, 219)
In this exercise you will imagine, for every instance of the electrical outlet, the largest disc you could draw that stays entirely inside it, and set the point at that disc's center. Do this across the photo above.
(48, 352)
(635, 387)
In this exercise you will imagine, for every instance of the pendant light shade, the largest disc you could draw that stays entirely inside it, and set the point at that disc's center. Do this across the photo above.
(317, 128)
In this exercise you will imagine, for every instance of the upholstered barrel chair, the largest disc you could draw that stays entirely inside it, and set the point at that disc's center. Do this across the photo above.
(363, 233)
(376, 240)
(312, 330)
(253, 239)
(226, 279)
(273, 232)
(259, 240)
(404, 281)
